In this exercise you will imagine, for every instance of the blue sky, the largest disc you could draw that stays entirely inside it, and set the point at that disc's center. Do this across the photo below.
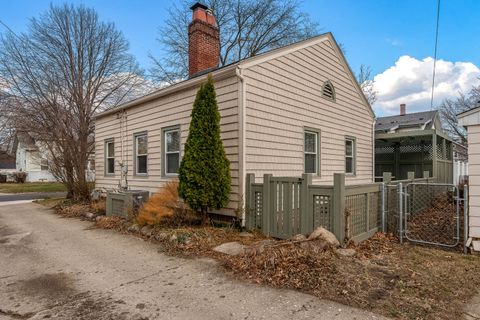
(373, 32)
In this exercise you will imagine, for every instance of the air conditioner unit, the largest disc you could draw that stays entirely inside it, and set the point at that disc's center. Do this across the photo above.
(126, 202)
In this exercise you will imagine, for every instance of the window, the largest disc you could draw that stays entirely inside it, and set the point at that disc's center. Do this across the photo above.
(328, 91)
(349, 156)
(311, 152)
(171, 147)
(109, 157)
(141, 150)
(44, 165)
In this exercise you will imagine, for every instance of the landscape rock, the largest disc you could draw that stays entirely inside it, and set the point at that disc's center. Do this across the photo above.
(324, 234)
(146, 231)
(134, 228)
(161, 236)
(231, 248)
(246, 234)
(90, 215)
(346, 252)
(298, 237)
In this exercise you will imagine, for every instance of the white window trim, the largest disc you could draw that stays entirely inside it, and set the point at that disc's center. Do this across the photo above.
(308, 152)
(352, 156)
(137, 135)
(166, 152)
(108, 156)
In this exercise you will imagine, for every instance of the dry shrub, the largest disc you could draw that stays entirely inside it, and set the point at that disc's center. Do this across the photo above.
(164, 204)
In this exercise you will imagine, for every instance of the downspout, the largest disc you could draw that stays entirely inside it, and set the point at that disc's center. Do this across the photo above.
(241, 140)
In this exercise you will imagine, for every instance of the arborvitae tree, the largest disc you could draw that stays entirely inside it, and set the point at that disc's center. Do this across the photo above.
(204, 172)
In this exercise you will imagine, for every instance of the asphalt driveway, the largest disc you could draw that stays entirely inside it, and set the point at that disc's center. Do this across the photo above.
(58, 268)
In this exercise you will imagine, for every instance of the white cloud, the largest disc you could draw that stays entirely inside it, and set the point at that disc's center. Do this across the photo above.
(410, 81)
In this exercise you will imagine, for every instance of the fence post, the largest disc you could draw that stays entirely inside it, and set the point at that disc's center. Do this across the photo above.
(410, 175)
(339, 206)
(306, 211)
(249, 179)
(266, 210)
(387, 177)
(465, 219)
(426, 174)
(400, 212)
(384, 211)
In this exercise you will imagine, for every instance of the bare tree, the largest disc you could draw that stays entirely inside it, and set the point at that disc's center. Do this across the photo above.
(247, 28)
(364, 78)
(450, 108)
(59, 74)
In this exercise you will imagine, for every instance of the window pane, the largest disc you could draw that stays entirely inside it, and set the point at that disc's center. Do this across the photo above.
(142, 144)
(349, 147)
(142, 164)
(349, 165)
(110, 149)
(310, 163)
(110, 165)
(172, 162)
(310, 142)
(173, 141)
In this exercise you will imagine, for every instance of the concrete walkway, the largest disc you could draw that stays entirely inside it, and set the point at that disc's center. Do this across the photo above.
(63, 269)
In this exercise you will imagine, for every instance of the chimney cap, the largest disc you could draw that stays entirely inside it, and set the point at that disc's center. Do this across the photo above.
(198, 5)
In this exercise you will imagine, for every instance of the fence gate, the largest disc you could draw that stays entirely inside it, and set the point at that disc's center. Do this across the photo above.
(430, 214)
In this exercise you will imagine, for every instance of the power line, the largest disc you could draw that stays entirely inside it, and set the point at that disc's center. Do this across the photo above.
(435, 55)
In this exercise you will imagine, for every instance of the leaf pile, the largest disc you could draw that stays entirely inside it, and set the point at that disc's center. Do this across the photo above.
(399, 281)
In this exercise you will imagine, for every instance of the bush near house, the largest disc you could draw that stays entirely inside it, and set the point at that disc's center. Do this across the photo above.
(204, 172)
(20, 177)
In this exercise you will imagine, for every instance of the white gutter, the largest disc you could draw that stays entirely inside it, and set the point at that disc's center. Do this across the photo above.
(241, 139)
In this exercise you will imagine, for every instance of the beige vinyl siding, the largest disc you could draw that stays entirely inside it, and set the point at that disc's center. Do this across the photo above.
(154, 115)
(474, 179)
(284, 97)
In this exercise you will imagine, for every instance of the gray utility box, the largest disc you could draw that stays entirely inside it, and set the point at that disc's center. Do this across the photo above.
(125, 202)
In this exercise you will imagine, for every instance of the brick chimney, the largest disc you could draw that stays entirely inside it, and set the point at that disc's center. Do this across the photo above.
(203, 40)
(403, 109)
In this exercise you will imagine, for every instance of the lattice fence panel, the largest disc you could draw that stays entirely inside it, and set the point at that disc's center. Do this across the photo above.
(322, 211)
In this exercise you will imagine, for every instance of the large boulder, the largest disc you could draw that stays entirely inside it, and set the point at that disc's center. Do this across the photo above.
(231, 248)
(321, 233)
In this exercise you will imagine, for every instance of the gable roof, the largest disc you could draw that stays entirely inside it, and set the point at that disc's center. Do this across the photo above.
(229, 70)
(424, 119)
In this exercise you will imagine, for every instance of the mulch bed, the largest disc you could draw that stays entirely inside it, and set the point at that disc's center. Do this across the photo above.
(399, 281)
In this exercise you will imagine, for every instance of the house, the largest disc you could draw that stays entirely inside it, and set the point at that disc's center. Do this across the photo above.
(471, 120)
(413, 142)
(7, 161)
(293, 110)
(30, 158)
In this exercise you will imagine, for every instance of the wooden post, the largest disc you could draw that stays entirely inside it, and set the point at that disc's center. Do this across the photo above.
(249, 221)
(267, 212)
(426, 174)
(306, 209)
(411, 175)
(434, 157)
(339, 206)
(387, 177)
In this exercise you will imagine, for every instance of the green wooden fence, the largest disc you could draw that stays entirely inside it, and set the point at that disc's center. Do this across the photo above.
(284, 206)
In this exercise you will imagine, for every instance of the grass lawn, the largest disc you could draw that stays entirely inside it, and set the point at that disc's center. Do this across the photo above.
(31, 187)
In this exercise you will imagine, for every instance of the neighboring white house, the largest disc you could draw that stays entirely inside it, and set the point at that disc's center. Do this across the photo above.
(31, 159)
(471, 120)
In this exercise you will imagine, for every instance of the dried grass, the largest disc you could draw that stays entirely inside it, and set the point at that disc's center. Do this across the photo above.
(163, 204)
(72, 210)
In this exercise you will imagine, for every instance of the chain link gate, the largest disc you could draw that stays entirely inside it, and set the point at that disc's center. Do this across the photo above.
(429, 213)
